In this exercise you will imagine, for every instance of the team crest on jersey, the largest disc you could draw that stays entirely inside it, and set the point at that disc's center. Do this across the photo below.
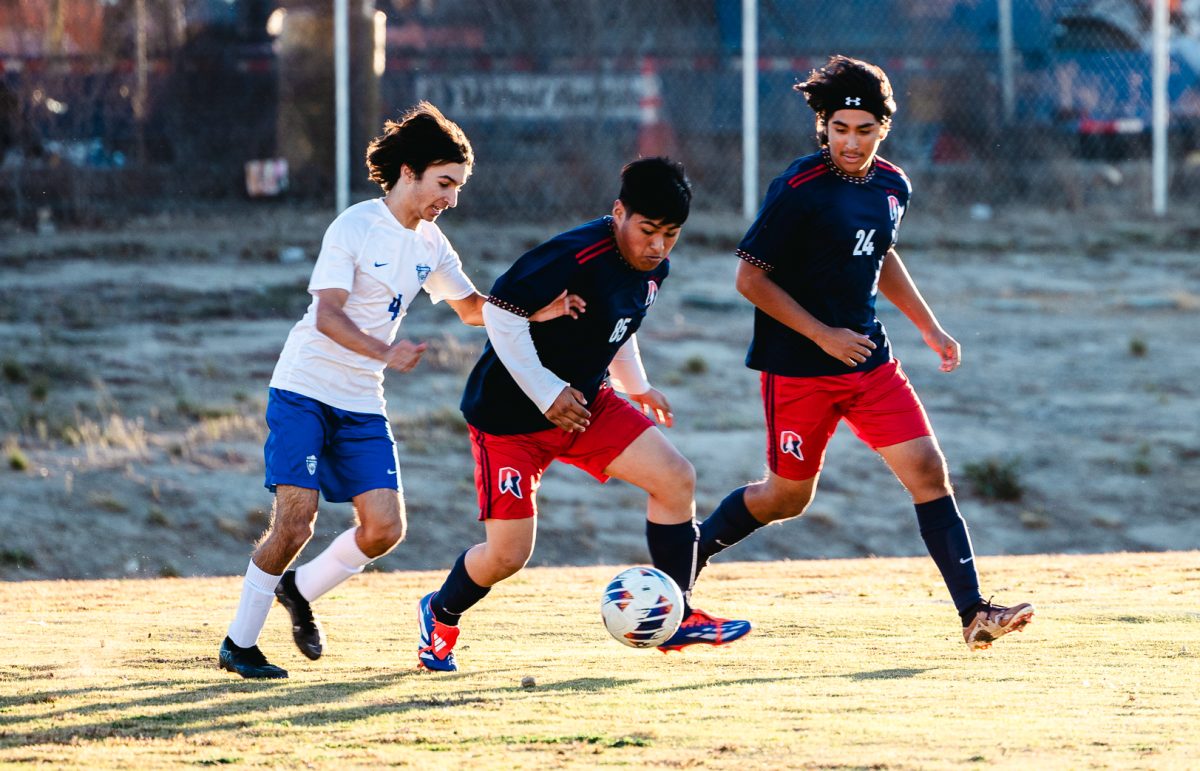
(895, 210)
(789, 442)
(510, 481)
(423, 273)
(651, 292)
(311, 464)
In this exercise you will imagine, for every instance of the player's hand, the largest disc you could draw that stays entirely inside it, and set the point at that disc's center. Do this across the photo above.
(946, 347)
(846, 345)
(568, 411)
(655, 406)
(564, 305)
(403, 355)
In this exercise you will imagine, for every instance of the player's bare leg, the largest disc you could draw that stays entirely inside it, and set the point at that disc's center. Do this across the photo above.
(653, 464)
(293, 516)
(921, 468)
(381, 527)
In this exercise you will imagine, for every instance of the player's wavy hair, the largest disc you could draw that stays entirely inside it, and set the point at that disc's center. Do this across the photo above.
(421, 138)
(658, 189)
(844, 81)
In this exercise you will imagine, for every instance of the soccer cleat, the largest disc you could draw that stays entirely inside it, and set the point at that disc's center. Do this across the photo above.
(248, 662)
(306, 630)
(994, 621)
(436, 649)
(700, 627)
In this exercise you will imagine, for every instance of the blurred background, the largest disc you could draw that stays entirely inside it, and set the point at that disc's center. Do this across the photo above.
(139, 105)
(167, 170)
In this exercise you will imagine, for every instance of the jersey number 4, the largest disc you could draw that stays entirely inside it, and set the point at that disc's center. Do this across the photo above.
(396, 307)
(865, 243)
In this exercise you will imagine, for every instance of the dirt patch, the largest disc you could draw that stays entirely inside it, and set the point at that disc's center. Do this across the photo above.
(134, 367)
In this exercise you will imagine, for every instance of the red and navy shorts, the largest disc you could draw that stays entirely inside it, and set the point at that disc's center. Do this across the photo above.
(508, 467)
(803, 412)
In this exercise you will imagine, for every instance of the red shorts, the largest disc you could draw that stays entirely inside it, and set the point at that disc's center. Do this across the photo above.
(803, 412)
(508, 467)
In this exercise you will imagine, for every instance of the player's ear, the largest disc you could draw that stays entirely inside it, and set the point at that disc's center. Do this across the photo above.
(883, 131)
(618, 212)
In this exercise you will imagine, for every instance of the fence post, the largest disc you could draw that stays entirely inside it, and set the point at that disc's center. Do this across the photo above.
(749, 108)
(1007, 89)
(1158, 169)
(341, 101)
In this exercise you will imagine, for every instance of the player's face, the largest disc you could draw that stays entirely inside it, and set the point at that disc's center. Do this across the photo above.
(854, 137)
(427, 196)
(644, 243)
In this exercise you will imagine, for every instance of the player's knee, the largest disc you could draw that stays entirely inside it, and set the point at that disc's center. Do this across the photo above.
(679, 482)
(293, 533)
(381, 537)
(508, 562)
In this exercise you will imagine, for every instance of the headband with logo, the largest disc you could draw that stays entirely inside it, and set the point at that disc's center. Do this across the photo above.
(847, 101)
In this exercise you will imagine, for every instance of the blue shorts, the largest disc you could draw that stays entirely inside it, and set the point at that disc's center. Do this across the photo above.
(315, 446)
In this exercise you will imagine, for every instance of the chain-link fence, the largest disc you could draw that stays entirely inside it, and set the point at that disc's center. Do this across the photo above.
(152, 103)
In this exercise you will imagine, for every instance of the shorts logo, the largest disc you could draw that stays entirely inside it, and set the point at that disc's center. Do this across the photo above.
(651, 293)
(789, 442)
(423, 273)
(311, 463)
(510, 481)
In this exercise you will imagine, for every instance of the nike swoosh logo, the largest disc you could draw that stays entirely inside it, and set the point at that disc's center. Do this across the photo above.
(392, 471)
(380, 264)
(963, 562)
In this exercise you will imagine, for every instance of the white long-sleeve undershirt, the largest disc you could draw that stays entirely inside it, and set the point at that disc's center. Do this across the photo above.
(513, 343)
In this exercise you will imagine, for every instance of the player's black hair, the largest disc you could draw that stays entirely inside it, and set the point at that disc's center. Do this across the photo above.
(656, 188)
(847, 83)
(423, 137)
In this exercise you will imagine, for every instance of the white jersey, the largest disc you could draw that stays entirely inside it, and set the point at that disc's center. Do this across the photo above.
(383, 265)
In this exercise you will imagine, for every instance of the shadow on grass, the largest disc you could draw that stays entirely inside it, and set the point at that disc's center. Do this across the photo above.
(887, 674)
(237, 704)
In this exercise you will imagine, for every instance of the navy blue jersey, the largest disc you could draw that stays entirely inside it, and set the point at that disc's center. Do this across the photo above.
(822, 236)
(583, 261)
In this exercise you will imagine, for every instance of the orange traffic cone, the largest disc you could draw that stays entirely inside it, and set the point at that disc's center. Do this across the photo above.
(655, 135)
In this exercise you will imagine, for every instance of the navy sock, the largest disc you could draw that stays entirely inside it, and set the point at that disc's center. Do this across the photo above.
(457, 594)
(673, 551)
(729, 523)
(945, 535)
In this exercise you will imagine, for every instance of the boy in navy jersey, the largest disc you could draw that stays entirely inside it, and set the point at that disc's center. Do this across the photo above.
(812, 263)
(542, 393)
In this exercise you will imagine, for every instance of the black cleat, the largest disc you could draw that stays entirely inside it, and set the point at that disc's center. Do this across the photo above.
(248, 662)
(306, 630)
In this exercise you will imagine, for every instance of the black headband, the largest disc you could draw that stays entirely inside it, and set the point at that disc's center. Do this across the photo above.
(856, 101)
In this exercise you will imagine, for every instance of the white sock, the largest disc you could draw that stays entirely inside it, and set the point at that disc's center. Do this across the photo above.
(338, 562)
(258, 592)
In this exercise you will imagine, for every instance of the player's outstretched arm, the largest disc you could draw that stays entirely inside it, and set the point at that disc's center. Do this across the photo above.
(470, 308)
(333, 322)
(845, 345)
(897, 285)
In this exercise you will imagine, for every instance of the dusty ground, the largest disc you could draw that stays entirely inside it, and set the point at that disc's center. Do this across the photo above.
(135, 363)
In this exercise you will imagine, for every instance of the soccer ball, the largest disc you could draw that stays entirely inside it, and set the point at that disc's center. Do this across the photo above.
(642, 607)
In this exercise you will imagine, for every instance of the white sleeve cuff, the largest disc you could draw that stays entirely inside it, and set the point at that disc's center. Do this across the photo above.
(510, 338)
(627, 373)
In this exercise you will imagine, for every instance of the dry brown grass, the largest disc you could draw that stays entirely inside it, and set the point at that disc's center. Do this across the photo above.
(853, 664)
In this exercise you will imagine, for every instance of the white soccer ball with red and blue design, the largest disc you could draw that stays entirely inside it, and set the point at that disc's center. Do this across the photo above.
(642, 607)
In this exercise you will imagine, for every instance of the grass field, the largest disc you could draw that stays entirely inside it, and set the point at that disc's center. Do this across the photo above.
(853, 664)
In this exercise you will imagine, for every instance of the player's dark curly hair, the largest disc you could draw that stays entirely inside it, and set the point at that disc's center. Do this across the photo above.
(658, 189)
(423, 137)
(844, 82)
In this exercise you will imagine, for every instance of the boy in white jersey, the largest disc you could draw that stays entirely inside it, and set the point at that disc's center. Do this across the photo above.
(326, 413)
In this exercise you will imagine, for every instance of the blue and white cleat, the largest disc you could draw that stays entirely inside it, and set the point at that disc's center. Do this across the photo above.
(436, 649)
(701, 628)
